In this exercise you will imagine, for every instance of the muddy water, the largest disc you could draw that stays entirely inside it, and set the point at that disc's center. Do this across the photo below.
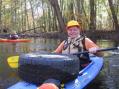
(107, 79)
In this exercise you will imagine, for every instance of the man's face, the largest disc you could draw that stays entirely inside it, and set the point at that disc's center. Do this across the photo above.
(73, 32)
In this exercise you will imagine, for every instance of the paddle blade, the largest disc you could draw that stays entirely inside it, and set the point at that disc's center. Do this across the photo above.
(13, 61)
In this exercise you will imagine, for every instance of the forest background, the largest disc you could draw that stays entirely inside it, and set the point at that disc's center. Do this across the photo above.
(51, 16)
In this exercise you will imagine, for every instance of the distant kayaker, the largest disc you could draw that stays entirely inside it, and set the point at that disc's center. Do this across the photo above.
(13, 36)
(77, 42)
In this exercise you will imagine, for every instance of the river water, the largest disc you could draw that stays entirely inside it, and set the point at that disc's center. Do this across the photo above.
(107, 79)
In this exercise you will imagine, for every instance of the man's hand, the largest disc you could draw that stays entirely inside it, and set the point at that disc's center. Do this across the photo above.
(93, 50)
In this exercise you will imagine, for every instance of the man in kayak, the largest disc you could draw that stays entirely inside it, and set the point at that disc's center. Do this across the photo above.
(13, 36)
(77, 42)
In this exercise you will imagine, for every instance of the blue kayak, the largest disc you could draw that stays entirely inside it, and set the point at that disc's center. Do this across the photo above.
(84, 78)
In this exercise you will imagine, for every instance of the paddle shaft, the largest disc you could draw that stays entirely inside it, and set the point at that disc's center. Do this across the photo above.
(103, 49)
(108, 49)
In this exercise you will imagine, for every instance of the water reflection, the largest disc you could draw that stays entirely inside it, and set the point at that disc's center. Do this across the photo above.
(106, 44)
(9, 76)
(12, 48)
(44, 44)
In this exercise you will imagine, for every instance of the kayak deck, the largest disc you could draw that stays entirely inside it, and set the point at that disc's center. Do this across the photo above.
(87, 74)
(85, 77)
(23, 85)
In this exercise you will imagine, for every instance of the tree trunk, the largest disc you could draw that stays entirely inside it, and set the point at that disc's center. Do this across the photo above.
(32, 13)
(57, 11)
(26, 15)
(0, 11)
(86, 23)
(114, 16)
(71, 6)
(92, 15)
(0, 15)
(80, 6)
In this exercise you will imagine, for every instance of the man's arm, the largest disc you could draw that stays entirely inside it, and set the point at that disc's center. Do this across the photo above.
(92, 47)
(59, 48)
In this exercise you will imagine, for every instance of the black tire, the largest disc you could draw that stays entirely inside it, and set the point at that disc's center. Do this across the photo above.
(36, 68)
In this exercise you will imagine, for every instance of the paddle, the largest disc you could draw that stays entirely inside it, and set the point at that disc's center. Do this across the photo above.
(13, 60)
(103, 49)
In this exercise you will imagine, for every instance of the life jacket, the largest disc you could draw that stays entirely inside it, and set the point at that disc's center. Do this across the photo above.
(73, 45)
(77, 45)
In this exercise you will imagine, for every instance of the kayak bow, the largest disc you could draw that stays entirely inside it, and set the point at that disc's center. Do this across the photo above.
(84, 78)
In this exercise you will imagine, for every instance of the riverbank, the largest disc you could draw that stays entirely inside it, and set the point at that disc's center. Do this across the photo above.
(91, 34)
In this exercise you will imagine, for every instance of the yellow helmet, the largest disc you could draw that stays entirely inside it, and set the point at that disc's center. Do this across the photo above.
(72, 23)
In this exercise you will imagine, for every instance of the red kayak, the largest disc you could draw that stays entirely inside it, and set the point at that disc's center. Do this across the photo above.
(16, 40)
